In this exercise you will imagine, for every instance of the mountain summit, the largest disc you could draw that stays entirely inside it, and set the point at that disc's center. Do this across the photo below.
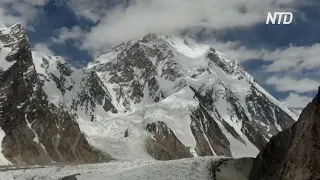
(158, 97)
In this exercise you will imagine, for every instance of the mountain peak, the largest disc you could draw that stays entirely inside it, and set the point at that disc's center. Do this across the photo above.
(14, 29)
(160, 74)
(154, 36)
(12, 39)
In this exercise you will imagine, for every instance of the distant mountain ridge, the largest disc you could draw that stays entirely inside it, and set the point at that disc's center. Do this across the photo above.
(159, 97)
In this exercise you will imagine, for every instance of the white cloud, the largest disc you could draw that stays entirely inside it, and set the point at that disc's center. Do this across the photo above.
(9, 19)
(65, 34)
(166, 16)
(41, 47)
(297, 101)
(27, 12)
(285, 84)
(117, 25)
(90, 9)
(293, 58)
(236, 50)
(36, 2)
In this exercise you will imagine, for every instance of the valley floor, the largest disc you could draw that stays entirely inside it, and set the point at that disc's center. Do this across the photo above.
(193, 168)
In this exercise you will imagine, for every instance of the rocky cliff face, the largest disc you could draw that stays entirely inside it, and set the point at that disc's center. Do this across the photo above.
(35, 130)
(293, 154)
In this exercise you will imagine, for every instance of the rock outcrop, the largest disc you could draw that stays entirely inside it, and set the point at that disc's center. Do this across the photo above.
(230, 169)
(293, 154)
(163, 144)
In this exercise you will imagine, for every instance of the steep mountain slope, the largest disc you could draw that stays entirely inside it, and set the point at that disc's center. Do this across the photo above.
(33, 130)
(159, 97)
(293, 154)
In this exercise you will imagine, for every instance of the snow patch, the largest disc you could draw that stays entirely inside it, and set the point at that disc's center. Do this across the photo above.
(4, 52)
(3, 160)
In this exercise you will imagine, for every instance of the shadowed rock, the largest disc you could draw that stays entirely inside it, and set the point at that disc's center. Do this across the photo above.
(293, 154)
(71, 177)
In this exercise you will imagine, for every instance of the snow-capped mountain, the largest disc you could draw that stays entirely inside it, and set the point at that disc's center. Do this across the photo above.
(159, 97)
(212, 105)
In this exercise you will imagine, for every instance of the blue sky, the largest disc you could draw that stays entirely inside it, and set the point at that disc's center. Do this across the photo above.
(278, 56)
(55, 17)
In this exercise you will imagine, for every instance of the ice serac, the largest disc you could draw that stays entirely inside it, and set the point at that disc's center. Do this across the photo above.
(210, 103)
(293, 154)
(36, 131)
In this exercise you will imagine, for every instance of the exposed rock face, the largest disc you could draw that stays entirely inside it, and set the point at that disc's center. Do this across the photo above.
(293, 154)
(133, 70)
(210, 139)
(36, 131)
(164, 145)
(263, 110)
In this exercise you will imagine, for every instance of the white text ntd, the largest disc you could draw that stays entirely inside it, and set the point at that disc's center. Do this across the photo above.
(279, 18)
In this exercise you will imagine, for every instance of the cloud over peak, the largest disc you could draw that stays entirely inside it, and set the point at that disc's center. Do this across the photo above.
(126, 22)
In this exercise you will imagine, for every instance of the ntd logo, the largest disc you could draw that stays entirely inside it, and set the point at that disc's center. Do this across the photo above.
(283, 17)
